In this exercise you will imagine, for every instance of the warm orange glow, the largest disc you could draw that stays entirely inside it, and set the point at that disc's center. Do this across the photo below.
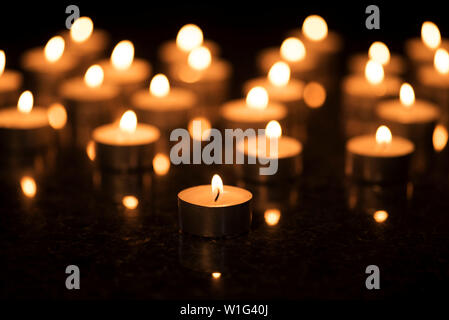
(25, 103)
(379, 52)
(257, 98)
(406, 95)
(2, 62)
(128, 122)
(28, 186)
(90, 150)
(380, 216)
(217, 185)
(54, 49)
(130, 202)
(293, 50)
(441, 61)
(57, 116)
(189, 37)
(315, 28)
(272, 217)
(199, 58)
(430, 35)
(216, 275)
(374, 72)
(440, 137)
(202, 130)
(314, 95)
(279, 74)
(161, 164)
(159, 85)
(383, 135)
(81, 29)
(273, 129)
(94, 76)
(123, 54)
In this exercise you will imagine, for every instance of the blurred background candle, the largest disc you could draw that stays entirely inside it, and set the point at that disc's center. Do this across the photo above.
(89, 103)
(24, 127)
(47, 67)
(10, 83)
(253, 112)
(125, 71)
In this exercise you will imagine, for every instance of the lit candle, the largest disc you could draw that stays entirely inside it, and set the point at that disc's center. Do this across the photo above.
(393, 64)
(434, 80)
(25, 127)
(10, 82)
(162, 105)
(253, 112)
(214, 210)
(288, 155)
(125, 146)
(125, 71)
(85, 42)
(89, 102)
(189, 37)
(421, 50)
(293, 52)
(379, 158)
(47, 67)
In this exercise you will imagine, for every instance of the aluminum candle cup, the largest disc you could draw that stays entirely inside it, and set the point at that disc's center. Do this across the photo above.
(126, 146)
(380, 158)
(434, 80)
(203, 213)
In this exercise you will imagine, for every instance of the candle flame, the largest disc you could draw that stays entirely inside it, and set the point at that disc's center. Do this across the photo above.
(315, 28)
(123, 54)
(273, 129)
(279, 74)
(128, 122)
(2, 62)
(25, 103)
(440, 137)
(199, 128)
(216, 275)
(441, 61)
(379, 52)
(217, 186)
(257, 98)
(28, 186)
(314, 94)
(374, 72)
(94, 76)
(199, 58)
(161, 164)
(383, 135)
(54, 49)
(189, 37)
(430, 35)
(159, 85)
(81, 29)
(130, 202)
(293, 50)
(380, 216)
(57, 116)
(272, 217)
(90, 150)
(407, 95)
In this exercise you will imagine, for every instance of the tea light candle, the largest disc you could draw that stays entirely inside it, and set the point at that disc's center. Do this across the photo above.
(409, 118)
(380, 159)
(292, 51)
(214, 210)
(25, 127)
(281, 88)
(393, 64)
(47, 67)
(125, 71)
(288, 154)
(254, 112)
(162, 105)
(10, 82)
(89, 103)
(125, 146)
(189, 37)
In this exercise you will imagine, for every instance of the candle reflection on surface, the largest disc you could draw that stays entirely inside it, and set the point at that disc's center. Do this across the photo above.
(440, 137)
(314, 94)
(272, 217)
(161, 164)
(57, 116)
(130, 202)
(28, 186)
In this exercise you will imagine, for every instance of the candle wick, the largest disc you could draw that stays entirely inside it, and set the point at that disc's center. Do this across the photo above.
(218, 194)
